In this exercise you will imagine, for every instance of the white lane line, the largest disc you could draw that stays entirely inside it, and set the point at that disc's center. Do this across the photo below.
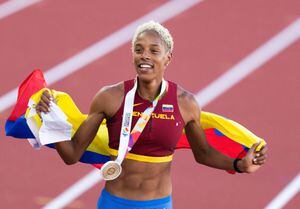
(203, 98)
(291, 190)
(13, 6)
(103, 47)
(250, 63)
(77, 189)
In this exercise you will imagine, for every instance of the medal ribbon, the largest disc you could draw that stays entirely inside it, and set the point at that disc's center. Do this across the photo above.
(127, 139)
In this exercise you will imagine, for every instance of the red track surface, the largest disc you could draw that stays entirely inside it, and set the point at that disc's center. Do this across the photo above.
(209, 39)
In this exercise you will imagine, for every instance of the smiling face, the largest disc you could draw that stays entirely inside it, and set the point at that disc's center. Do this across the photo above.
(150, 56)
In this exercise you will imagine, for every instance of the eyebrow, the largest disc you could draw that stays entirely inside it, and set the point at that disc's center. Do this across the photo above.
(155, 45)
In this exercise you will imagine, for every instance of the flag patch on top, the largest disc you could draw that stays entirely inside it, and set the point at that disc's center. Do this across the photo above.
(167, 108)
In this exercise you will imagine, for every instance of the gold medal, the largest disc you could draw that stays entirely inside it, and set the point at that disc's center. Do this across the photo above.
(111, 170)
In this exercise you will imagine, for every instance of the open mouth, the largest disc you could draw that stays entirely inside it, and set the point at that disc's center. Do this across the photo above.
(145, 66)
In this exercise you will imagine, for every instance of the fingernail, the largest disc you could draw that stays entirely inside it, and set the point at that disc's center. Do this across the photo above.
(257, 155)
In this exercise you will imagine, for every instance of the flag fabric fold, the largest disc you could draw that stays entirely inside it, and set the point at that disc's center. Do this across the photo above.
(225, 135)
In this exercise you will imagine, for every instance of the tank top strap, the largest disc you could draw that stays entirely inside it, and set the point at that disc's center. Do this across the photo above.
(128, 85)
(172, 90)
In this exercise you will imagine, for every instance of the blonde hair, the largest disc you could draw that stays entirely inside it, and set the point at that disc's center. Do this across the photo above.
(159, 29)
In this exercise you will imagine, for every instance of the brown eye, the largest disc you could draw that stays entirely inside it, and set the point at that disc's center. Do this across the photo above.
(138, 50)
(154, 51)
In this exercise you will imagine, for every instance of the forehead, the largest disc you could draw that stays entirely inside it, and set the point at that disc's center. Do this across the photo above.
(149, 38)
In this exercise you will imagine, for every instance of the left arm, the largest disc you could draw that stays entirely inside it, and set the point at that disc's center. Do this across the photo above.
(202, 151)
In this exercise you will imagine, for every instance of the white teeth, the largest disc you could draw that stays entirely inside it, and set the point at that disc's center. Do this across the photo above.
(145, 66)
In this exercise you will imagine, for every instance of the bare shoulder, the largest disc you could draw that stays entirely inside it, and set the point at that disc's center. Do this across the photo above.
(111, 91)
(108, 99)
(188, 105)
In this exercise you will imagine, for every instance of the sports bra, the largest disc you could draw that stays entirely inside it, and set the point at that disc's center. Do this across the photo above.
(162, 132)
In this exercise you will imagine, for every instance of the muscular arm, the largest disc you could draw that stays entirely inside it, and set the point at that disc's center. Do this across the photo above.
(71, 151)
(105, 104)
(203, 152)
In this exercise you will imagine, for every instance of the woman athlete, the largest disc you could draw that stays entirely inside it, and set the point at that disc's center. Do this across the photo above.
(145, 181)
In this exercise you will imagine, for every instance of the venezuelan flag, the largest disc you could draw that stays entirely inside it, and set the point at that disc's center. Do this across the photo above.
(225, 135)
(17, 126)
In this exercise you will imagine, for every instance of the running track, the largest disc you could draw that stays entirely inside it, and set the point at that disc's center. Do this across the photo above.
(210, 38)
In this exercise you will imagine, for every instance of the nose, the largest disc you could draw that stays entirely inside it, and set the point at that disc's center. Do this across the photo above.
(146, 55)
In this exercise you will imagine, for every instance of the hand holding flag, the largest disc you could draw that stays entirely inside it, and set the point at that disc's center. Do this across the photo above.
(44, 103)
(254, 159)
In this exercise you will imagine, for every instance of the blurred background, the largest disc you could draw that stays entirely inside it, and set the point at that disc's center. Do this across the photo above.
(240, 58)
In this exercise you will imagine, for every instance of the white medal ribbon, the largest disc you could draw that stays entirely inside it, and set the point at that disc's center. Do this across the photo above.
(112, 169)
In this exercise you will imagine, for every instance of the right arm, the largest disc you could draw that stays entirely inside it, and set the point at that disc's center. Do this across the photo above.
(71, 151)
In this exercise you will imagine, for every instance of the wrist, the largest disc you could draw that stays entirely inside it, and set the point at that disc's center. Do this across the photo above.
(238, 165)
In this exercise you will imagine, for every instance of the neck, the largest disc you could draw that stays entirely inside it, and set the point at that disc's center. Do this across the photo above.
(149, 90)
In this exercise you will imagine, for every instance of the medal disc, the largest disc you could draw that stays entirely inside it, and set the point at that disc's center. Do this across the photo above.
(111, 170)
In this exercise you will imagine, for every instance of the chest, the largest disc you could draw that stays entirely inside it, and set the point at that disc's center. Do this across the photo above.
(164, 127)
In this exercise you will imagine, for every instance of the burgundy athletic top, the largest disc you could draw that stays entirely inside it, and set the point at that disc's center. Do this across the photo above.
(163, 130)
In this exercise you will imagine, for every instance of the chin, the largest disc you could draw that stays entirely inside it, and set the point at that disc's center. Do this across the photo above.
(145, 78)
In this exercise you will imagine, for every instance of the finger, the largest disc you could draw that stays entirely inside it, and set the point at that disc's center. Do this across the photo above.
(37, 110)
(261, 162)
(261, 158)
(254, 161)
(260, 153)
(45, 99)
(42, 109)
(254, 146)
(257, 162)
(44, 104)
(263, 150)
(49, 94)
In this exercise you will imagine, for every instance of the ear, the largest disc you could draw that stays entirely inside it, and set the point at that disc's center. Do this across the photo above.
(169, 58)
